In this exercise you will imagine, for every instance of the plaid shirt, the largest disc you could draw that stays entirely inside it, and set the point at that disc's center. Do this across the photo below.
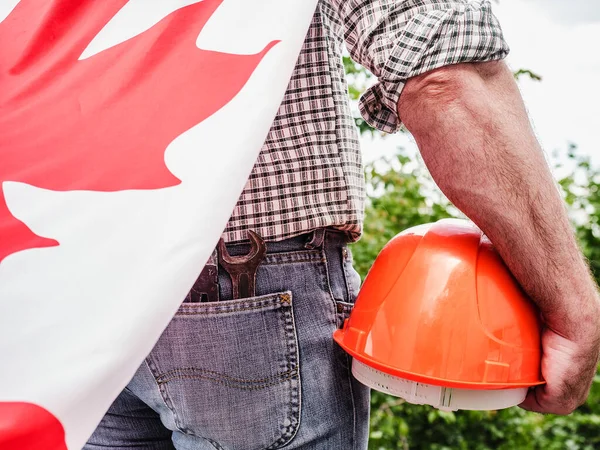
(309, 173)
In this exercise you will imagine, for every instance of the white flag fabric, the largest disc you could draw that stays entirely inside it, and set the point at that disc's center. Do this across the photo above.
(128, 129)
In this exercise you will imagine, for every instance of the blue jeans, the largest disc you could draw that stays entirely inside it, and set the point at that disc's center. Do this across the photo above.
(257, 373)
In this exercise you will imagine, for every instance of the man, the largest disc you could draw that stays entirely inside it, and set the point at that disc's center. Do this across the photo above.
(262, 371)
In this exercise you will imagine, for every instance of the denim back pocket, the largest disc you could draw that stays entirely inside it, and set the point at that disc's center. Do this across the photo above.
(229, 371)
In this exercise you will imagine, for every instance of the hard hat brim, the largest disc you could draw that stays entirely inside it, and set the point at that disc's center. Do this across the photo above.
(338, 336)
(440, 397)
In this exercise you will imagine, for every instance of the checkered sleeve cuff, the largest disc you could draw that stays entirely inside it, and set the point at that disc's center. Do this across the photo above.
(449, 33)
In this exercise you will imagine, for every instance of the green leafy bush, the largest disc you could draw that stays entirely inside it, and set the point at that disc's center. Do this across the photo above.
(402, 196)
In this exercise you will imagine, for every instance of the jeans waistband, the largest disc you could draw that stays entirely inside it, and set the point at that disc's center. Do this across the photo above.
(324, 245)
(308, 241)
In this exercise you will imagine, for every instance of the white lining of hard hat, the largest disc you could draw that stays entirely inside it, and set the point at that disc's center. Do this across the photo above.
(443, 398)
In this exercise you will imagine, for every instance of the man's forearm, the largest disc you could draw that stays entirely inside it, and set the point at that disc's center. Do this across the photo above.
(474, 134)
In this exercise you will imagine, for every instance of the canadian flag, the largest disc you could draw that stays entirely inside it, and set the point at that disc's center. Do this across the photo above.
(128, 129)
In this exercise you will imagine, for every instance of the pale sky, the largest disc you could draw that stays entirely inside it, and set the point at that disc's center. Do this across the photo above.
(560, 40)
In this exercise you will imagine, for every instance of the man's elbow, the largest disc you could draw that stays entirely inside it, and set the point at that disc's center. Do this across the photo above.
(457, 89)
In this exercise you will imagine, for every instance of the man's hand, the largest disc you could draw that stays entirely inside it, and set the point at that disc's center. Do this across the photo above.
(568, 368)
(473, 132)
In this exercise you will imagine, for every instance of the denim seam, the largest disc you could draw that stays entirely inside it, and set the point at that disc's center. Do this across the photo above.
(149, 365)
(344, 314)
(327, 284)
(297, 408)
(290, 431)
(345, 275)
(165, 397)
(349, 371)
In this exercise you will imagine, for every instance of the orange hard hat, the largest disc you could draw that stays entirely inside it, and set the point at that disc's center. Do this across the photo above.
(440, 320)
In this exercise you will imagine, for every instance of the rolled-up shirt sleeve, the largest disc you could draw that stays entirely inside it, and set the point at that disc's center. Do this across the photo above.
(399, 39)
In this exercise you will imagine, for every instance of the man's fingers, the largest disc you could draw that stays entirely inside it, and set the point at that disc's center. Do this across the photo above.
(568, 368)
(538, 400)
(531, 402)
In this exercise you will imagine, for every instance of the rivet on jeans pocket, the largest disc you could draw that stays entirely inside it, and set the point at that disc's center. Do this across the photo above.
(345, 253)
(285, 298)
(340, 308)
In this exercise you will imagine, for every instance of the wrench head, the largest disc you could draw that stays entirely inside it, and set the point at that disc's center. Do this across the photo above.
(258, 249)
(242, 269)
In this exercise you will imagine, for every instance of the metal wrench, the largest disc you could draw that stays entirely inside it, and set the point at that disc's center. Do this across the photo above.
(206, 287)
(242, 269)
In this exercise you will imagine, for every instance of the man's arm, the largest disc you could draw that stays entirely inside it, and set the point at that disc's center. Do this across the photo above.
(474, 134)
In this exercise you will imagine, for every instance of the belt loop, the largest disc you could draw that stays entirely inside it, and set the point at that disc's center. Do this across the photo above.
(317, 239)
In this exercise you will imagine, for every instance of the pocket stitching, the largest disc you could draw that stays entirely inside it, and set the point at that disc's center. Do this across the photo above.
(266, 302)
(289, 376)
(178, 374)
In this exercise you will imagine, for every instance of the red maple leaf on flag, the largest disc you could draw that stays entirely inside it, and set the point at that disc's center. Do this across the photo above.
(102, 123)
(25, 426)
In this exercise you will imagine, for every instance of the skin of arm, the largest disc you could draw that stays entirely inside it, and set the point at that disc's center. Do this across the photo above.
(474, 134)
